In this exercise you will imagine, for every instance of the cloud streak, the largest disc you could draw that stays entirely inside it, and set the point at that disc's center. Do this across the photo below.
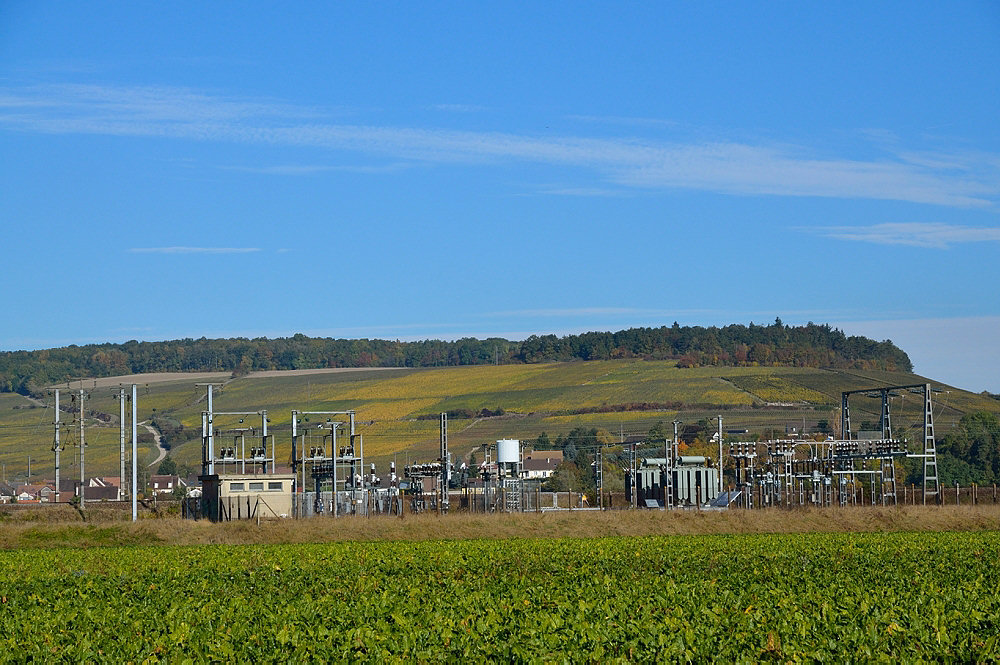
(194, 250)
(311, 169)
(964, 179)
(913, 234)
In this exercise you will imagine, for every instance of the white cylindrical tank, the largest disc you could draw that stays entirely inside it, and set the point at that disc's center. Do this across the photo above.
(508, 451)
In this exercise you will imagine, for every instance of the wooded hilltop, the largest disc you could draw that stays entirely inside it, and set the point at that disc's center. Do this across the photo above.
(777, 344)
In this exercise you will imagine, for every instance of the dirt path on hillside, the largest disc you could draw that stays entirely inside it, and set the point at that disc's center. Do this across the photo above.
(158, 438)
(37, 402)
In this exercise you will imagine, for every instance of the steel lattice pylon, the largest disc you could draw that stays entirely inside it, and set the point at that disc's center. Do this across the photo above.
(930, 449)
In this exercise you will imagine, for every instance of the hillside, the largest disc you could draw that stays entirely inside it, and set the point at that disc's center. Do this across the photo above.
(621, 398)
(811, 345)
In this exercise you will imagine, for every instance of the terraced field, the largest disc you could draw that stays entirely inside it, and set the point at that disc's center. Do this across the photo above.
(536, 398)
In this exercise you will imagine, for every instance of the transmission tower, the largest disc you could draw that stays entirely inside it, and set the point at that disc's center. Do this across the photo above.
(930, 449)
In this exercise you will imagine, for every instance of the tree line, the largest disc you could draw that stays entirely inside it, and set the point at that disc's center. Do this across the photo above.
(810, 345)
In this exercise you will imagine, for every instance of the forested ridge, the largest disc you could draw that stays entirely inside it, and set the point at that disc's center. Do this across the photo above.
(810, 345)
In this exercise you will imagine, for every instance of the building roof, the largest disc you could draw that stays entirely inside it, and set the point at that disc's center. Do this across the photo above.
(544, 454)
(34, 488)
(162, 478)
(102, 493)
(541, 464)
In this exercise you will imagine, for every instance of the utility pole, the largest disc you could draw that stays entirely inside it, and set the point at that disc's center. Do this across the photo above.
(211, 433)
(135, 438)
(443, 497)
(677, 425)
(632, 464)
(207, 433)
(667, 479)
(336, 457)
(121, 441)
(83, 445)
(599, 469)
(56, 446)
(720, 454)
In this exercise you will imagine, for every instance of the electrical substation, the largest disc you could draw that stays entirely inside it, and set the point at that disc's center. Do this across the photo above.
(798, 472)
(329, 478)
(247, 474)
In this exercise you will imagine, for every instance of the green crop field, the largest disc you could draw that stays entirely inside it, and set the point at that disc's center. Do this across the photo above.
(838, 597)
(553, 397)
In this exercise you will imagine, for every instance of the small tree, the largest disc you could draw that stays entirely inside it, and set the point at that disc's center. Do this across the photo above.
(656, 433)
(168, 467)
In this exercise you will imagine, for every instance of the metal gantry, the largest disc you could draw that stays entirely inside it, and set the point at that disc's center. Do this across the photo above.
(329, 461)
(931, 485)
(437, 472)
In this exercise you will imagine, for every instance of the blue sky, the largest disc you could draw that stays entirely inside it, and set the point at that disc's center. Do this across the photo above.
(413, 170)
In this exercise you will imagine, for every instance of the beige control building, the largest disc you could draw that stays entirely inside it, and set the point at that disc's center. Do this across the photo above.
(235, 496)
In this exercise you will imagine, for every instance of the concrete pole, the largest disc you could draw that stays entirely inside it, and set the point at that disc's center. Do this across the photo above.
(295, 458)
(83, 447)
(720, 454)
(135, 473)
(121, 441)
(211, 435)
(336, 453)
(263, 438)
(55, 446)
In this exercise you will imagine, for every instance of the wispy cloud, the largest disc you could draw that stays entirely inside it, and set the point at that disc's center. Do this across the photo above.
(963, 179)
(585, 191)
(194, 250)
(915, 234)
(623, 120)
(459, 108)
(571, 311)
(310, 169)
